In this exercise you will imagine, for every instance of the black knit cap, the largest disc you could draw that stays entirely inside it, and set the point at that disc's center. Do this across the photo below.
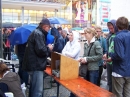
(45, 21)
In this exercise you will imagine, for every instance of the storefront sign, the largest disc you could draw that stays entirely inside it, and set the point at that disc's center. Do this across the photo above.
(104, 14)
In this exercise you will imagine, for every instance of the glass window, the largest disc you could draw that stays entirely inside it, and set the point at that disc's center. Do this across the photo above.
(7, 15)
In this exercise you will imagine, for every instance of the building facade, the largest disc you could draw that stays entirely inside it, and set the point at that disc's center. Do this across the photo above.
(81, 13)
(32, 11)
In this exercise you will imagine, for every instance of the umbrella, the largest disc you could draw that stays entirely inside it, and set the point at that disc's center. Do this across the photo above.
(8, 25)
(76, 28)
(50, 38)
(56, 20)
(21, 34)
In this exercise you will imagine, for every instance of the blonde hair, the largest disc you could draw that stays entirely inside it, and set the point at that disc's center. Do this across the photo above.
(98, 27)
(90, 31)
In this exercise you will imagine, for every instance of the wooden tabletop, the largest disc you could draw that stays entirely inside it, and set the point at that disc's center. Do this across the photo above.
(82, 88)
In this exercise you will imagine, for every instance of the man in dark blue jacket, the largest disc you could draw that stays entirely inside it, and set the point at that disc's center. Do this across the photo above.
(121, 60)
(58, 42)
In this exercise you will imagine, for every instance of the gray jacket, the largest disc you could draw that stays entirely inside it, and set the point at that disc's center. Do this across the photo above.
(95, 55)
(13, 81)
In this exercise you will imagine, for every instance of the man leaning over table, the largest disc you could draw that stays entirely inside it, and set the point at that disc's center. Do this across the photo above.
(35, 58)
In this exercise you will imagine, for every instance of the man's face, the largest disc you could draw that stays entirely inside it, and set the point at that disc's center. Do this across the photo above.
(111, 28)
(60, 31)
(63, 34)
(46, 27)
(99, 32)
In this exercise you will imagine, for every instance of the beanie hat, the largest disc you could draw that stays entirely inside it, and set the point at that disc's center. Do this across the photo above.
(45, 21)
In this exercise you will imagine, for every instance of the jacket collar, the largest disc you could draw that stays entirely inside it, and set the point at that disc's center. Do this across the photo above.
(44, 32)
(92, 40)
(99, 38)
(122, 31)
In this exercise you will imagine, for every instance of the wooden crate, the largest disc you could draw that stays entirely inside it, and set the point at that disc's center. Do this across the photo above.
(69, 68)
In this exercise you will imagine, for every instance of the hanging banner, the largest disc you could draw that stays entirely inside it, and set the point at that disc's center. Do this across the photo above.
(80, 11)
(104, 14)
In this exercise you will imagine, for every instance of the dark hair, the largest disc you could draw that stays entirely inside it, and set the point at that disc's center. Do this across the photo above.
(3, 68)
(4, 30)
(122, 23)
(59, 28)
(129, 27)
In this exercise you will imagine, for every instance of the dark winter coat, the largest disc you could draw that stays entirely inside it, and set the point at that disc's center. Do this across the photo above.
(36, 53)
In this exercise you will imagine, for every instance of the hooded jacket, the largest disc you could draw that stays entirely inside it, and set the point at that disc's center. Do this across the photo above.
(59, 42)
(72, 49)
(110, 39)
(13, 81)
(113, 22)
(36, 53)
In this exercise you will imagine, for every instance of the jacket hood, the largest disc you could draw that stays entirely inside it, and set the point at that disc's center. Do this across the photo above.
(55, 32)
(10, 76)
(113, 22)
(75, 36)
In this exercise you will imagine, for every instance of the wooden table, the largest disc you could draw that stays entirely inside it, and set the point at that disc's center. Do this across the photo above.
(80, 87)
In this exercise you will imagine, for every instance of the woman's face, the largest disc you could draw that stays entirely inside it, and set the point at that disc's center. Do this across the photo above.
(70, 37)
(88, 36)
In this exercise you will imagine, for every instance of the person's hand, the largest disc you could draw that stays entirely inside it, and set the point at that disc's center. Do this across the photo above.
(50, 46)
(104, 57)
(109, 60)
(82, 60)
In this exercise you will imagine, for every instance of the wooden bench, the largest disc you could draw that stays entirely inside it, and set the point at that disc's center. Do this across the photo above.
(80, 87)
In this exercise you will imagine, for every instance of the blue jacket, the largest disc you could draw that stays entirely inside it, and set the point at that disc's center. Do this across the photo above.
(120, 58)
(59, 42)
(103, 43)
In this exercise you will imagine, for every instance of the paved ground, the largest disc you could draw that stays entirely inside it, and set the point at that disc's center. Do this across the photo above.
(63, 92)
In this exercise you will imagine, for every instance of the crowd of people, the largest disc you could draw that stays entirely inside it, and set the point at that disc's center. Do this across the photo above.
(111, 52)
